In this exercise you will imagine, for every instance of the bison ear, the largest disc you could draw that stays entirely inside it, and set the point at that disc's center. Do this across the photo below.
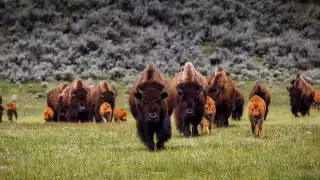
(164, 95)
(138, 95)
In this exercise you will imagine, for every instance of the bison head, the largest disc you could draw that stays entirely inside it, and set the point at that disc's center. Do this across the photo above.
(256, 109)
(210, 107)
(190, 96)
(106, 94)
(217, 85)
(78, 100)
(151, 95)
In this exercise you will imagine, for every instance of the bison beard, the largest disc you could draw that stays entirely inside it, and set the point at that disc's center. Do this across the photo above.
(148, 105)
(190, 107)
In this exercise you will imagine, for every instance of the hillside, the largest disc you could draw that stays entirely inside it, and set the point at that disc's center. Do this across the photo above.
(269, 39)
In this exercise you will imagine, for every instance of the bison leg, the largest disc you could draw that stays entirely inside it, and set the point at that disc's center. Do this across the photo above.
(0, 117)
(195, 130)
(186, 130)
(201, 128)
(260, 130)
(252, 127)
(145, 134)
(163, 133)
(267, 109)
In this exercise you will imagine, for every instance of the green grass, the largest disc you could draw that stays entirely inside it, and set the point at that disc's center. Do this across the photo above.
(208, 49)
(32, 149)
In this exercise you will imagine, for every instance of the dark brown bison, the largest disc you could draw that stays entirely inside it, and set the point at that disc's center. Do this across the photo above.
(54, 103)
(151, 104)
(77, 102)
(261, 91)
(190, 99)
(98, 95)
(301, 96)
(221, 89)
(237, 105)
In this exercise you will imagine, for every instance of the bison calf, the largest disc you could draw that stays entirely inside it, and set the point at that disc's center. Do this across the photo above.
(256, 113)
(120, 114)
(48, 114)
(105, 112)
(210, 111)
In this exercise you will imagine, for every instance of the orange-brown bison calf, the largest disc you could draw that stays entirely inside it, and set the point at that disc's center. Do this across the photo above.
(261, 91)
(105, 112)
(120, 114)
(256, 113)
(48, 114)
(149, 101)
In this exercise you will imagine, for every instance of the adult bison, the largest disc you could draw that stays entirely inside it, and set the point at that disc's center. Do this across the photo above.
(77, 102)
(151, 104)
(221, 89)
(261, 91)
(190, 99)
(54, 103)
(301, 96)
(237, 104)
(97, 96)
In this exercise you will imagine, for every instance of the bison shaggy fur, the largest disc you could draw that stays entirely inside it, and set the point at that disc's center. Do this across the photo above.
(98, 95)
(301, 96)
(237, 105)
(54, 104)
(150, 101)
(261, 91)
(190, 99)
(256, 113)
(221, 89)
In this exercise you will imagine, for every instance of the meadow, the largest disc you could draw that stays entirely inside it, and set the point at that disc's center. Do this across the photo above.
(33, 149)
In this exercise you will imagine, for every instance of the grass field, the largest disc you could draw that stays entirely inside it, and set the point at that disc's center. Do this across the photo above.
(32, 149)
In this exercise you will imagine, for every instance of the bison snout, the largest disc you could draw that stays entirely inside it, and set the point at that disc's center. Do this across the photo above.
(152, 116)
(189, 111)
(257, 116)
(82, 108)
(210, 115)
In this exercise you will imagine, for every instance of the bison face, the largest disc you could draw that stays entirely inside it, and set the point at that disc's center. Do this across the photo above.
(190, 96)
(210, 109)
(256, 112)
(79, 100)
(107, 96)
(151, 95)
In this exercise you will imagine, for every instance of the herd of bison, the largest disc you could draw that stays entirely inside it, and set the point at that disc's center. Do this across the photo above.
(194, 99)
